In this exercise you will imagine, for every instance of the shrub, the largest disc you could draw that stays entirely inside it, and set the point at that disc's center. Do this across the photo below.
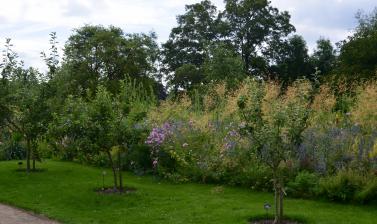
(257, 177)
(343, 187)
(369, 192)
(138, 159)
(12, 150)
(304, 185)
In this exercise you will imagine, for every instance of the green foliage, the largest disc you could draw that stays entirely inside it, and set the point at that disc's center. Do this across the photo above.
(24, 108)
(12, 149)
(52, 59)
(275, 129)
(224, 65)
(188, 43)
(186, 77)
(304, 185)
(97, 55)
(253, 25)
(88, 130)
(324, 57)
(368, 193)
(292, 61)
(357, 62)
(343, 187)
(226, 45)
(275, 123)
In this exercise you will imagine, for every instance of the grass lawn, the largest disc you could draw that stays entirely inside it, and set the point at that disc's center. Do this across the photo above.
(65, 191)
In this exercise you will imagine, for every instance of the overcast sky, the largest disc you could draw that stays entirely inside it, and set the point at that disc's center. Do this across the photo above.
(29, 22)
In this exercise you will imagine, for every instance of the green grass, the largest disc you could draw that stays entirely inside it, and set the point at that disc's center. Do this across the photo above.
(65, 191)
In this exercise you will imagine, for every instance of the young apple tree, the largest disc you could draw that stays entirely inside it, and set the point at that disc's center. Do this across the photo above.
(275, 122)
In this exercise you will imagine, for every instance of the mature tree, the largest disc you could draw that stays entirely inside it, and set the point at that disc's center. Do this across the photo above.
(357, 60)
(275, 123)
(256, 28)
(292, 61)
(96, 54)
(224, 64)
(186, 77)
(188, 42)
(323, 58)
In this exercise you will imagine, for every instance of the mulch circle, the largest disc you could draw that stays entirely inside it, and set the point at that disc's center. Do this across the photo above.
(111, 190)
(269, 219)
(272, 222)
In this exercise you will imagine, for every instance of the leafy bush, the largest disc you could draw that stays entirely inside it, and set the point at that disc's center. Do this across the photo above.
(137, 159)
(256, 177)
(342, 187)
(12, 151)
(304, 185)
(369, 192)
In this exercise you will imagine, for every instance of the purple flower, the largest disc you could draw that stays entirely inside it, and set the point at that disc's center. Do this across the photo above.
(230, 145)
(155, 163)
(159, 135)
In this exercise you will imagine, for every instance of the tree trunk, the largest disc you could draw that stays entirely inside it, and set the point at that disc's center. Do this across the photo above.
(120, 172)
(28, 155)
(33, 153)
(276, 197)
(34, 163)
(114, 170)
(279, 196)
(281, 202)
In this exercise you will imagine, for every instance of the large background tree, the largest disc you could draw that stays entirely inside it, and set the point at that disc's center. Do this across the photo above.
(292, 61)
(96, 55)
(189, 41)
(357, 58)
(223, 64)
(323, 58)
(256, 29)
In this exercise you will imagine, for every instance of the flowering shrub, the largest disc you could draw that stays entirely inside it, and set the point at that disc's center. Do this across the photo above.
(156, 138)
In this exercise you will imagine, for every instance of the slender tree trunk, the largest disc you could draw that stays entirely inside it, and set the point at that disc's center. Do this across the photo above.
(28, 155)
(120, 172)
(276, 197)
(34, 164)
(33, 153)
(281, 202)
(114, 170)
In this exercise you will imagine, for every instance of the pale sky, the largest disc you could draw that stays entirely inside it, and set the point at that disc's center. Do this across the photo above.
(29, 22)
